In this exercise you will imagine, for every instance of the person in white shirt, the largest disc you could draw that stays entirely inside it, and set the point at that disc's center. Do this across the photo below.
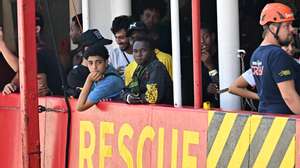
(121, 56)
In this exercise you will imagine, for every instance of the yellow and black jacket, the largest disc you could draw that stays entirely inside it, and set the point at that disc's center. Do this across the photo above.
(151, 83)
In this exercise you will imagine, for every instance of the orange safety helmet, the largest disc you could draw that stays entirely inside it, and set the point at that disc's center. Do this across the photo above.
(276, 13)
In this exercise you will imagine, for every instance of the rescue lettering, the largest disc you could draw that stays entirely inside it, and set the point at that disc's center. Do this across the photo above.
(97, 147)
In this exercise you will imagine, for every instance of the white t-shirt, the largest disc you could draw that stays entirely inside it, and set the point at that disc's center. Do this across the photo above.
(117, 58)
(249, 77)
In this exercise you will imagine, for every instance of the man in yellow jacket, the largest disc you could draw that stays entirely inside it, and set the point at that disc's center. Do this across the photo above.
(138, 29)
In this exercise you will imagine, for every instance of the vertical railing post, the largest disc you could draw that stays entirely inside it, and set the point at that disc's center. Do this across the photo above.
(229, 63)
(28, 84)
(85, 15)
(176, 53)
(197, 53)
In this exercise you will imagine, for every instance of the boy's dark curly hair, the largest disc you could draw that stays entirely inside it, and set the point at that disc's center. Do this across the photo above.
(121, 22)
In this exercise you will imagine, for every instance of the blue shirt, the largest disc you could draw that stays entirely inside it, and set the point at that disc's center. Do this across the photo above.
(271, 65)
(109, 87)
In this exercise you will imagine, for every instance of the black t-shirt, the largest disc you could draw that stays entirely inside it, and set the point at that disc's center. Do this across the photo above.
(48, 64)
(164, 41)
(77, 76)
(206, 80)
(6, 73)
(76, 79)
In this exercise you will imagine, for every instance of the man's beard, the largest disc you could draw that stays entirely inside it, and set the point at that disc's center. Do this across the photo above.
(284, 42)
(125, 48)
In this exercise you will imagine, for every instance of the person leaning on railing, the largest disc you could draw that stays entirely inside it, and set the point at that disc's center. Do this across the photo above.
(151, 82)
(103, 81)
(49, 82)
(12, 61)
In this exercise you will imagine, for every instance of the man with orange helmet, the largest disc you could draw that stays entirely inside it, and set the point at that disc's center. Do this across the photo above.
(276, 74)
